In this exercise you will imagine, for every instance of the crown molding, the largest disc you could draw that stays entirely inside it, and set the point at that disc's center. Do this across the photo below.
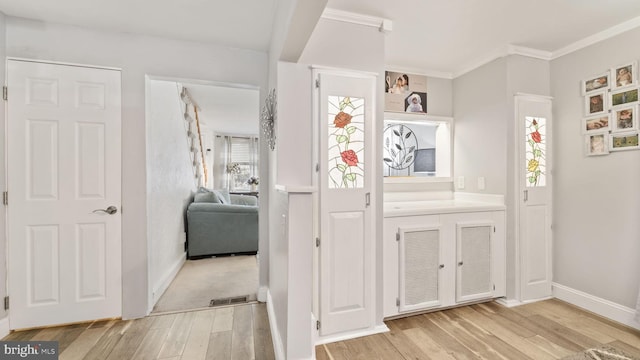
(529, 52)
(593, 39)
(384, 25)
(418, 71)
(470, 66)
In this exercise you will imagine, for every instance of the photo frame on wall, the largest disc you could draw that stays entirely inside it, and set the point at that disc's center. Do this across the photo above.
(625, 96)
(624, 119)
(624, 75)
(597, 144)
(596, 103)
(597, 82)
(405, 92)
(623, 141)
(596, 124)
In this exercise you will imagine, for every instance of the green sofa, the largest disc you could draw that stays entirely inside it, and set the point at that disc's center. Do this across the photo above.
(221, 224)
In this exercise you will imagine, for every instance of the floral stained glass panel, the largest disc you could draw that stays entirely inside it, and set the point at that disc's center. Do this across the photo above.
(345, 142)
(536, 151)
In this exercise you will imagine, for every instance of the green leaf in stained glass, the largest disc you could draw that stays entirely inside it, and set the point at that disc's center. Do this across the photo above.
(531, 142)
(352, 129)
(532, 179)
(538, 152)
(350, 177)
(341, 138)
(341, 167)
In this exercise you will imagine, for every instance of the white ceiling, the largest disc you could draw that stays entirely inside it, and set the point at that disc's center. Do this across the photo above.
(447, 36)
(227, 110)
(452, 35)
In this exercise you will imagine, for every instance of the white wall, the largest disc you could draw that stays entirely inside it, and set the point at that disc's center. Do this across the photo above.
(484, 132)
(170, 183)
(596, 208)
(136, 55)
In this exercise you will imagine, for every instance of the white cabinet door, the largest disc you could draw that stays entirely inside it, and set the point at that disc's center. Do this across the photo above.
(347, 176)
(474, 278)
(420, 267)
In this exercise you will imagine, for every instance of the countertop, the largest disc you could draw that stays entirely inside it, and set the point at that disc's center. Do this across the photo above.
(432, 207)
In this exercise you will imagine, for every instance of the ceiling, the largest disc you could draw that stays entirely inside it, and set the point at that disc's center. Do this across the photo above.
(226, 110)
(446, 36)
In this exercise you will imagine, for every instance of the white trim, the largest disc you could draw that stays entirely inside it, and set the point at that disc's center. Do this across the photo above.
(533, 97)
(509, 302)
(295, 189)
(474, 64)
(167, 278)
(276, 338)
(425, 72)
(4, 327)
(263, 291)
(384, 25)
(601, 36)
(528, 52)
(353, 334)
(603, 307)
(341, 71)
(13, 58)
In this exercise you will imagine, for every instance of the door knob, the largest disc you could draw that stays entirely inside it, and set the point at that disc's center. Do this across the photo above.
(460, 263)
(110, 210)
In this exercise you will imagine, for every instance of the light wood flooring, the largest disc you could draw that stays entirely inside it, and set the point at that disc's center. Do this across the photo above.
(550, 329)
(240, 333)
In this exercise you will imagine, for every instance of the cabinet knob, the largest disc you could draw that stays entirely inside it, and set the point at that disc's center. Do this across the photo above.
(441, 266)
(460, 263)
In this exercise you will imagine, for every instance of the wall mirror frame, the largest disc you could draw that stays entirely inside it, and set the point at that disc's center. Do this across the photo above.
(417, 148)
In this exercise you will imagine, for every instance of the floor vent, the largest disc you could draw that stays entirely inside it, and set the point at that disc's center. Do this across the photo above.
(229, 301)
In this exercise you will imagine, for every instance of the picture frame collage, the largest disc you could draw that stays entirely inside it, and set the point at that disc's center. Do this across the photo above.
(611, 110)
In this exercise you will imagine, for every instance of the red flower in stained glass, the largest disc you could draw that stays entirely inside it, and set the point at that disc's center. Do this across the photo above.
(536, 136)
(342, 119)
(349, 157)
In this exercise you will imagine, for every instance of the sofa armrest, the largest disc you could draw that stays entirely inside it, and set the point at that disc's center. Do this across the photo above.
(221, 208)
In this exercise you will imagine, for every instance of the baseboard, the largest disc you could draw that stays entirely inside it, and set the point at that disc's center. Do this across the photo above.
(167, 278)
(352, 334)
(4, 327)
(278, 347)
(606, 308)
(262, 293)
(509, 302)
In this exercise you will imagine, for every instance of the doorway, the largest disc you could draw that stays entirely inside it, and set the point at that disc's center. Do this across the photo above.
(201, 147)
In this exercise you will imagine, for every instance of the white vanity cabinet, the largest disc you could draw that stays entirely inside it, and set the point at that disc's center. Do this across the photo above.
(437, 257)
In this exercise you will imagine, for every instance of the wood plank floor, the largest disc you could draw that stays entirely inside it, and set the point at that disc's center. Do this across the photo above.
(550, 329)
(240, 333)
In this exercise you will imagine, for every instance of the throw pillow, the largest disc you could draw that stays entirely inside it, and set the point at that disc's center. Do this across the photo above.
(210, 197)
(223, 195)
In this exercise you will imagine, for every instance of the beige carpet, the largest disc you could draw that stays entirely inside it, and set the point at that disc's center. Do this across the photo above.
(200, 281)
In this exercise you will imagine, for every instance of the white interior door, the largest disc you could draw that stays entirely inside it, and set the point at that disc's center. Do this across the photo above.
(63, 167)
(533, 116)
(347, 170)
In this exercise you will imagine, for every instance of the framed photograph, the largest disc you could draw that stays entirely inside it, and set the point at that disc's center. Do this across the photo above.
(623, 76)
(597, 144)
(596, 124)
(598, 82)
(624, 119)
(623, 141)
(596, 103)
(405, 92)
(624, 97)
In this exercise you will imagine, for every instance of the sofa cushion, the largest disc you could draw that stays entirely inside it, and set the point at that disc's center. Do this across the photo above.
(210, 197)
(223, 195)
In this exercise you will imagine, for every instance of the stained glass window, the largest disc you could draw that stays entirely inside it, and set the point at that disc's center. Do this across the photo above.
(346, 142)
(536, 151)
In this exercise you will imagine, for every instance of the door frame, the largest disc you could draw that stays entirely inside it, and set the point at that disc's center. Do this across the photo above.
(5, 156)
(518, 175)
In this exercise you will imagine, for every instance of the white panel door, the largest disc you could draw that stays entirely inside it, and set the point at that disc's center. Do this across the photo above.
(63, 170)
(346, 107)
(533, 118)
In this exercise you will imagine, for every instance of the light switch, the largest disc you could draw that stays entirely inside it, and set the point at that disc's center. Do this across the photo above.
(460, 182)
(481, 184)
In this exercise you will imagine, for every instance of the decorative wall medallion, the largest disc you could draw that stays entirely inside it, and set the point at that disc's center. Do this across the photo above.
(268, 119)
(400, 144)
